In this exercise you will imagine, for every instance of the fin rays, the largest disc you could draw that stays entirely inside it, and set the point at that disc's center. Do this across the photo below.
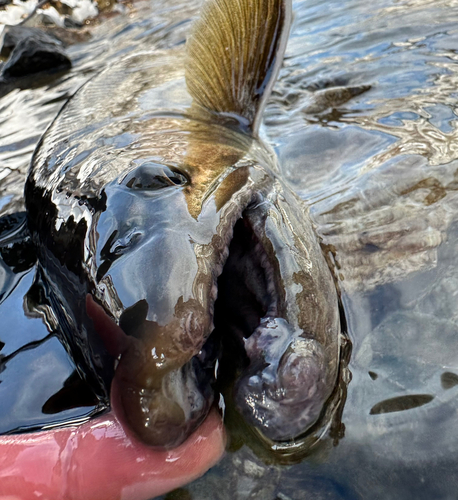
(234, 53)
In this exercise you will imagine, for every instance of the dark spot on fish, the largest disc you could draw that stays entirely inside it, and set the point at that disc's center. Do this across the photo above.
(2, 345)
(153, 176)
(401, 403)
(449, 380)
(373, 375)
(74, 393)
(133, 317)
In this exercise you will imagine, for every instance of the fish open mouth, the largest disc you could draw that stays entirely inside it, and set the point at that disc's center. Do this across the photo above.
(246, 288)
(245, 292)
(248, 294)
(281, 370)
(278, 363)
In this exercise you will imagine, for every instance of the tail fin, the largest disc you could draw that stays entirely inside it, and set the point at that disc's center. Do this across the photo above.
(234, 54)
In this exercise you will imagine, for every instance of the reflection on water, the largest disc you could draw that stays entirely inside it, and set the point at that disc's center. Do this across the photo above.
(364, 120)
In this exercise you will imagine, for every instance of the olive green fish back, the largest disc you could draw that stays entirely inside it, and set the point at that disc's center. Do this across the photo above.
(233, 56)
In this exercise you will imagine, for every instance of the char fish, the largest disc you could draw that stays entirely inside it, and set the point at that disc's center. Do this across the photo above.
(150, 184)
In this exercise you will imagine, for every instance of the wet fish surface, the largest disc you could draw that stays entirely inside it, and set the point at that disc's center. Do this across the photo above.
(148, 177)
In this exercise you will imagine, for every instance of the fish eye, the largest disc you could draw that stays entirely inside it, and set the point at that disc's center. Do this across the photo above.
(152, 176)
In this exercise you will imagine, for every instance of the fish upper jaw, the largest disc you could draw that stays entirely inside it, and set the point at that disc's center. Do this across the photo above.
(162, 394)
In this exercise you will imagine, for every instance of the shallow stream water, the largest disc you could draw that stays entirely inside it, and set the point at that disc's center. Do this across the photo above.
(364, 119)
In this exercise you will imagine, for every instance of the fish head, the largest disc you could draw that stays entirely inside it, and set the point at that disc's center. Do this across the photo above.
(184, 207)
(157, 249)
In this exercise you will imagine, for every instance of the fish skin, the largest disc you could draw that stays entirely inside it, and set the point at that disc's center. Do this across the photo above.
(132, 203)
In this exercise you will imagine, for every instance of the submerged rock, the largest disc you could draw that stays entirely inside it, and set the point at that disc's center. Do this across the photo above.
(31, 51)
(13, 35)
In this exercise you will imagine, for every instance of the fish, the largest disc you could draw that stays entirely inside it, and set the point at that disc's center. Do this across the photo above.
(150, 196)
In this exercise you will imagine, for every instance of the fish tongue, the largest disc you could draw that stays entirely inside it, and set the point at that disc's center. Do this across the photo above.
(283, 390)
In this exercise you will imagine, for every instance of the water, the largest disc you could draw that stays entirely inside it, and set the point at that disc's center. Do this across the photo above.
(378, 166)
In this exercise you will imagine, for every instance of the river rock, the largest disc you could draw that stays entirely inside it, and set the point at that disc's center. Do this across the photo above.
(12, 35)
(31, 51)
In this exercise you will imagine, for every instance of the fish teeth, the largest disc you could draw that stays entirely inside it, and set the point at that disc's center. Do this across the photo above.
(269, 272)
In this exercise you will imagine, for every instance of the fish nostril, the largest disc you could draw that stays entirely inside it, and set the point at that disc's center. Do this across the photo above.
(115, 247)
(120, 245)
(153, 176)
(178, 178)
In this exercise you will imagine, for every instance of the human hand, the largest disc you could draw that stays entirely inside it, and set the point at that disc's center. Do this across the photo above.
(99, 461)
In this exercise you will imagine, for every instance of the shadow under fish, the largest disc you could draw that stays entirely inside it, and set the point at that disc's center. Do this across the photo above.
(150, 184)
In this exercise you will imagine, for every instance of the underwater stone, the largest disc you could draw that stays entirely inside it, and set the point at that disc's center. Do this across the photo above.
(31, 51)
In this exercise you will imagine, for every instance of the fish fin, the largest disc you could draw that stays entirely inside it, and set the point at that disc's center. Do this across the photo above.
(234, 53)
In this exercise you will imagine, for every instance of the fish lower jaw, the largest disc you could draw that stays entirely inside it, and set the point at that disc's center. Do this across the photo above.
(280, 373)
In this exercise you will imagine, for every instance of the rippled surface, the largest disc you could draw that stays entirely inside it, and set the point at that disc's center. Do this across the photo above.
(364, 119)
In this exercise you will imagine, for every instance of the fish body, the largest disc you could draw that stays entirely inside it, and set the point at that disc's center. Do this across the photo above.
(148, 180)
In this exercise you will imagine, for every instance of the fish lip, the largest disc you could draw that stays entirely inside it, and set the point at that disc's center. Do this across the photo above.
(164, 435)
(118, 409)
